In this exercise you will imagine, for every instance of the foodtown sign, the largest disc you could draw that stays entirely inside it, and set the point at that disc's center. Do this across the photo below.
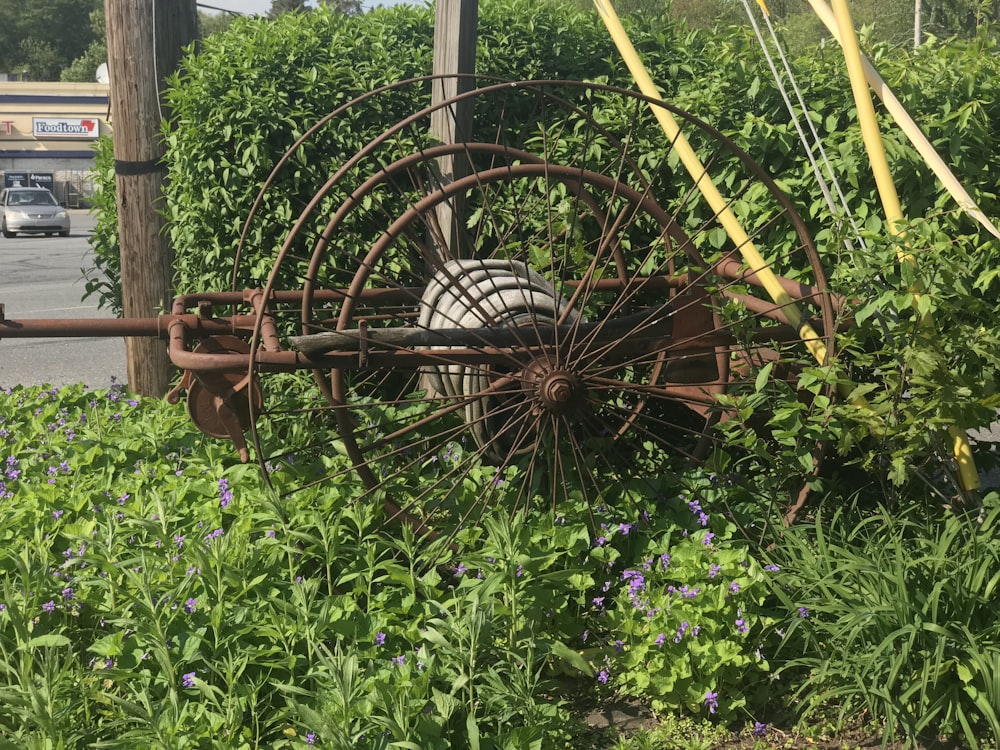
(64, 127)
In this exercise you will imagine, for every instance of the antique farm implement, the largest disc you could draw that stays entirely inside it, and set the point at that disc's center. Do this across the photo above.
(563, 306)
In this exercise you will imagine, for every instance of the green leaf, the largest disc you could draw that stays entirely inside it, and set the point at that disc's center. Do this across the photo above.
(53, 640)
(760, 382)
(569, 656)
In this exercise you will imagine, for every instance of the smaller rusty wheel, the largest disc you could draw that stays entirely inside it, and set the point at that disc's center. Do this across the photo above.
(580, 309)
(221, 404)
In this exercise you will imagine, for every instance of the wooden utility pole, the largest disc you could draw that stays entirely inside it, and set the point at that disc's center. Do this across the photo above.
(145, 40)
(456, 24)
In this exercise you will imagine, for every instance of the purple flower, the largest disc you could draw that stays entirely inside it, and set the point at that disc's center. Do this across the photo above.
(188, 679)
(713, 571)
(57, 514)
(636, 582)
(734, 588)
(600, 541)
(602, 676)
(772, 568)
(803, 613)
(712, 701)
(707, 539)
(741, 626)
(664, 560)
(380, 639)
(460, 570)
(681, 631)
(759, 729)
(68, 594)
(49, 607)
(311, 738)
(625, 528)
(398, 660)
(190, 605)
(225, 494)
(660, 639)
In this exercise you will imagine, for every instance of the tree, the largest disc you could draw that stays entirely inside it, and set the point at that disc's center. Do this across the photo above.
(84, 68)
(287, 6)
(347, 7)
(213, 23)
(42, 37)
(958, 17)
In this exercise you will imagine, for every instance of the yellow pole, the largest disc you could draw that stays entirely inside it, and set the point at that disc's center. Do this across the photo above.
(751, 256)
(909, 127)
(961, 449)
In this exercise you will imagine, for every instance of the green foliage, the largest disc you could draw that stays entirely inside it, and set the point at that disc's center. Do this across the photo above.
(156, 594)
(240, 104)
(681, 629)
(43, 36)
(902, 603)
(103, 279)
(249, 93)
(213, 23)
(921, 346)
(286, 6)
(84, 68)
(891, 611)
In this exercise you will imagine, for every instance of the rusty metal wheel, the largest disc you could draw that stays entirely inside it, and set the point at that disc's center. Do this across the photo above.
(555, 319)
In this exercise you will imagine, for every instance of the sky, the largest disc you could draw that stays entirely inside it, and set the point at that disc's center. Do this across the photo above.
(261, 7)
(250, 7)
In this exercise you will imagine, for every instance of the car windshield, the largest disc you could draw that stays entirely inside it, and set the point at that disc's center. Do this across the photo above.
(31, 198)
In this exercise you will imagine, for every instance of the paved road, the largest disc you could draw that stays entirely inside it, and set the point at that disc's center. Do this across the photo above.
(41, 278)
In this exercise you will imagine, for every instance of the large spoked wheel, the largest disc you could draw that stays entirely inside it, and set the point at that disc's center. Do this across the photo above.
(555, 319)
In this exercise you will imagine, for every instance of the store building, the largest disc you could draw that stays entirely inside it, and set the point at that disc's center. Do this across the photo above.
(47, 135)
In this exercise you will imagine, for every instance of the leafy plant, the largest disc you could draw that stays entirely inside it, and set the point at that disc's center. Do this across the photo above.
(890, 612)
(156, 594)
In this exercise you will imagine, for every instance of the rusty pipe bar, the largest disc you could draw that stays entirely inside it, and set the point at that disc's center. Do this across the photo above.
(268, 330)
(29, 328)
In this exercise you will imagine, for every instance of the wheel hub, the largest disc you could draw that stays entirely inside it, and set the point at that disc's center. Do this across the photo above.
(557, 391)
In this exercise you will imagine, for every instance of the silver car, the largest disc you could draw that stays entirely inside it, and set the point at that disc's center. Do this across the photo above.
(32, 210)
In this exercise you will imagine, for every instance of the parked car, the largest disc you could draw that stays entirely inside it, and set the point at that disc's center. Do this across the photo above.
(32, 210)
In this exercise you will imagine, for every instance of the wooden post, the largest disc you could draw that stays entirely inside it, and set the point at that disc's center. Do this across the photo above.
(456, 25)
(145, 40)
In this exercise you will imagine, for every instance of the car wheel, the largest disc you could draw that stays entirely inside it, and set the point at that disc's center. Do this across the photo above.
(6, 232)
(64, 234)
